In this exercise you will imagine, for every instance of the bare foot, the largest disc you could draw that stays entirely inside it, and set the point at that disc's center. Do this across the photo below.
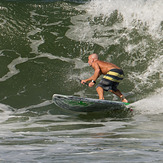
(123, 99)
(101, 98)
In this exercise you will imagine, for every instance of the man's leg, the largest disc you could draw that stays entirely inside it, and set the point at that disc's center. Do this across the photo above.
(100, 92)
(120, 95)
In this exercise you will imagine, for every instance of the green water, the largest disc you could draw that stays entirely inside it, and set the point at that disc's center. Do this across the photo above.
(44, 46)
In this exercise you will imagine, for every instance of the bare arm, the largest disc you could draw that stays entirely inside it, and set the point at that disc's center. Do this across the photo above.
(94, 76)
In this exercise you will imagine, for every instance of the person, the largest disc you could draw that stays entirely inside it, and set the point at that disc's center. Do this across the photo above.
(111, 79)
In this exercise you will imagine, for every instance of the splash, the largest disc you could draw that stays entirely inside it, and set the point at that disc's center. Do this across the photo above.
(5, 112)
(150, 105)
(129, 32)
(151, 77)
(149, 12)
(103, 17)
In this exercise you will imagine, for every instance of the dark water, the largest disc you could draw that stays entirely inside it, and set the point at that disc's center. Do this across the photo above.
(44, 47)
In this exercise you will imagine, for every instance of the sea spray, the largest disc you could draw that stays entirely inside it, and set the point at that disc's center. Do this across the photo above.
(153, 104)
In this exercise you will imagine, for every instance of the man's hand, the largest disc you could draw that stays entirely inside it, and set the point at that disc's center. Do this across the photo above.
(83, 82)
(91, 84)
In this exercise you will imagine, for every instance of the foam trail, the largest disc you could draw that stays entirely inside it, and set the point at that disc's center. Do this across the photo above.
(5, 112)
(14, 71)
(150, 105)
(43, 104)
(12, 68)
(78, 63)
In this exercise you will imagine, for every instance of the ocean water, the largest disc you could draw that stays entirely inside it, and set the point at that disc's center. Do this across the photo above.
(44, 46)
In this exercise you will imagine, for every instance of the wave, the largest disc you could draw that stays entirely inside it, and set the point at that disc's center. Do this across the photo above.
(127, 33)
(104, 17)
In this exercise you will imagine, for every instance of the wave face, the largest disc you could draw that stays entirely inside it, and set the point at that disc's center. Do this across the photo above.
(44, 47)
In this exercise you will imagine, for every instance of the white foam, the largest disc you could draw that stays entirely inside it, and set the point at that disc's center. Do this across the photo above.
(147, 11)
(5, 112)
(35, 43)
(134, 13)
(12, 68)
(141, 79)
(150, 105)
(78, 63)
(45, 103)
(2, 22)
(3, 8)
